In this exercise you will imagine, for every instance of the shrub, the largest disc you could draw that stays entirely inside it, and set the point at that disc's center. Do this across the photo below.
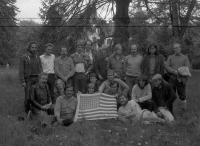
(196, 63)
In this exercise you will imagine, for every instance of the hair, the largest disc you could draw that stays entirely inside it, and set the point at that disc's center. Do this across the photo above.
(91, 85)
(92, 75)
(63, 46)
(68, 86)
(30, 43)
(48, 44)
(143, 78)
(120, 95)
(117, 46)
(80, 43)
(43, 74)
(88, 41)
(61, 82)
(155, 46)
(110, 71)
(176, 42)
(134, 45)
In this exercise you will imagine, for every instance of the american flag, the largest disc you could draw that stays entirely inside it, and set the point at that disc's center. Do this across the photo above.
(95, 106)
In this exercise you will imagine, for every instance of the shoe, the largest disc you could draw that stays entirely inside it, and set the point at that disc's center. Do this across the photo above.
(183, 105)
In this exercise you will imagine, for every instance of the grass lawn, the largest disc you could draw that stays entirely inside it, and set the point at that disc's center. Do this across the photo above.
(186, 131)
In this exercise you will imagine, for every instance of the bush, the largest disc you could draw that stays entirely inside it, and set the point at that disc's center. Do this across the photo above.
(2, 61)
(196, 63)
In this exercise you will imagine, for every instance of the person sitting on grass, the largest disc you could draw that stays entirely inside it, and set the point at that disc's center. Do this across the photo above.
(164, 96)
(91, 88)
(59, 89)
(130, 112)
(41, 100)
(93, 79)
(105, 86)
(65, 107)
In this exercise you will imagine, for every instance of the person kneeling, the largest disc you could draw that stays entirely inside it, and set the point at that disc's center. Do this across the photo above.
(130, 112)
(65, 107)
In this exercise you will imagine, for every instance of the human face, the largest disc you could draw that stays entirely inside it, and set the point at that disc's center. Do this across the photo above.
(48, 50)
(133, 49)
(79, 49)
(69, 92)
(123, 100)
(152, 50)
(157, 82)
(88, 46)
(33, 49)
(43, 80)
(119, 50)
(114, 88)
(93, 79)
(141, 83)
(63, 52)
(91, 90)
(59, 85)
(177, 48)
(104, 54)
(110, 76)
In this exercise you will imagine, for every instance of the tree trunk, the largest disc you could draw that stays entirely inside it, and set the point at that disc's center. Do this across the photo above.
(121, 19)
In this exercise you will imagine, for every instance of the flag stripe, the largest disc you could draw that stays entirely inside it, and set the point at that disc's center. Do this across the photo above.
(98, 115)
(97, 112)
(97, 109)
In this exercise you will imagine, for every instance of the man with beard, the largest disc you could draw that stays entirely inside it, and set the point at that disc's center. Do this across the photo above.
(64, 66)
(132, 63)
(65, 107)
(41, 100)
(29, 68)
(164, 96)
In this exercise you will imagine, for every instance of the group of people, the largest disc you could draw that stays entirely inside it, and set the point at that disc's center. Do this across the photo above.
(52, 84)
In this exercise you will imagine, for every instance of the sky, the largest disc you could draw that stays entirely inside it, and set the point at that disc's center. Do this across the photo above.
(29, 9)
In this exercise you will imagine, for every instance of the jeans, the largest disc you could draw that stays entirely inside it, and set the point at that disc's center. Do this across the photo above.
(80, 82)
(51, 83)
(130, 81)
(29, 83)
(179, 87)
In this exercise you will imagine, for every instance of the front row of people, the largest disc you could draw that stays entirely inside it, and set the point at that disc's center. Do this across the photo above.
(153, 105)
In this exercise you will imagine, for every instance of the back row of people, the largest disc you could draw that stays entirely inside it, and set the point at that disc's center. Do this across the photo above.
(74, 70)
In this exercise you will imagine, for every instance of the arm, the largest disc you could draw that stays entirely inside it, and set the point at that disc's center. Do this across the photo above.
(40, 65)
(187, 62)
(133, 94)
(162, 67)
(21, 70)
(57, 108)
(56, 68)
(71, 73)
(33, 95)
(49, 100)
(108, 64)
(90, 65)
(148, 96)
(168, 66)
(102, 87)
(124, 86)
(96, 67)
(172, 95)
(121, 118)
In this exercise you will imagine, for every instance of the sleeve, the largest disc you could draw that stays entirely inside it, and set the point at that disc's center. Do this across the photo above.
(168, 65)
(57, 107)
(133, 94)
(90, 65)
(187, 62)
(40, 65)
(120, 112)
(102, 87)
(71, 73)
(56, 68)
(172, 96)
(33, 94)
(148, 96)
(162, 67)
(124, 86)
(21, 70)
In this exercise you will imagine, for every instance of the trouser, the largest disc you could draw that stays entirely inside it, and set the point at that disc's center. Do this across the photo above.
(29, 83)
(166, 114)
(150, 105)
(51, 83)
(130, 81)
(179, 87)
(80, 82)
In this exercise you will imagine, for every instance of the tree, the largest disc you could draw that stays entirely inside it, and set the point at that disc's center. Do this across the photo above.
(8, 27)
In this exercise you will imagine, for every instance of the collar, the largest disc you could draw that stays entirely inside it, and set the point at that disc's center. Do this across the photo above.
(115, 56)
(88, 52)
(64, 58)
(46, 56)
(178, 54)
(79, 54)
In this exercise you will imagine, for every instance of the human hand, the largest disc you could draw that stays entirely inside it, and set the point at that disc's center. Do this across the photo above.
(24, 85)
(100, 77)
(59, 120)
(175, 72)
(44, 107)
(137, 100)
(65, 79)
(159, 114)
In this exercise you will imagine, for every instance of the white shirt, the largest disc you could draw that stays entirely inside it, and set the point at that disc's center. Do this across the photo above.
(47, 63)
(79, 68)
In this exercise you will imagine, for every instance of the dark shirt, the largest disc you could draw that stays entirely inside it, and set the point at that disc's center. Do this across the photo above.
(34, 66)
(165, 96)
(101, 68)
(40, 96)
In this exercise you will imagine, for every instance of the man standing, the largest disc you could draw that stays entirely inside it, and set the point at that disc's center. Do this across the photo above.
(83, 66)
(132, 63)
(29, 68)
(164, 96)
(47, 60)
(116, 62)
(41, 99)
(64, 66)
(174, 62)
(65, 107)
